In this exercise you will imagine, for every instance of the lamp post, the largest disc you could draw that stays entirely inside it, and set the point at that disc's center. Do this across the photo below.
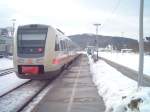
(13, 27)
(141, 45)
(97, 25)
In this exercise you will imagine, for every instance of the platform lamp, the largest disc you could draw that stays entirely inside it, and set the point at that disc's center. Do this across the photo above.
(13, 27)
(96, 25)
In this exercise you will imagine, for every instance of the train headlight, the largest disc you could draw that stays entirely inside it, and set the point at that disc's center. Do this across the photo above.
(40, 49)
(39, 60)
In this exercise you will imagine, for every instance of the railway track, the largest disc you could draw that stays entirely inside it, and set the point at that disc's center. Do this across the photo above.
(6, 71)
(22, 95)
(15, 88)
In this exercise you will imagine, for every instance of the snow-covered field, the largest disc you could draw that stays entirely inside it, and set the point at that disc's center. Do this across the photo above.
(119, 92)
(6, 63)
(130, 60)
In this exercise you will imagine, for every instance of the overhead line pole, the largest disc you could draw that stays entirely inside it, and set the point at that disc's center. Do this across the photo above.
(141, 45)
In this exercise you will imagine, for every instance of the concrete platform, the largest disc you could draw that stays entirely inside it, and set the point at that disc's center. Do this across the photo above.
(73, 92)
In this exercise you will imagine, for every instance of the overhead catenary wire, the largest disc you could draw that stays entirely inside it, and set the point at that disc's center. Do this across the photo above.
(112, 13)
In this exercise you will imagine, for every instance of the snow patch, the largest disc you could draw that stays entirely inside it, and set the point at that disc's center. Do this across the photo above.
(130, 60)
(118, 91)
(6, 63)
(9, 82)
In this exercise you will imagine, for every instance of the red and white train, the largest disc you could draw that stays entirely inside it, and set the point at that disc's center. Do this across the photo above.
(41, 51)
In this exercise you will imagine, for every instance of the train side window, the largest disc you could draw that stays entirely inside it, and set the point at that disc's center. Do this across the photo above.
(61, 44)
(57, 46)
(69, 45)
(64, 43)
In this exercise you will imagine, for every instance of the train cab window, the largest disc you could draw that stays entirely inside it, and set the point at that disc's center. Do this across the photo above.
(31, 41)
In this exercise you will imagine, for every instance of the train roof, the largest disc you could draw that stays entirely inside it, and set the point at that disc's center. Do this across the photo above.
(39, 26)
(58, 31)
(33, 26)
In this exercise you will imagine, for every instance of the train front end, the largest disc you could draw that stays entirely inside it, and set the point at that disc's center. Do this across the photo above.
(30, 51)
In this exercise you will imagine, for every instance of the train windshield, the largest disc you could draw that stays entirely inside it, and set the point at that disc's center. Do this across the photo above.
(33, 36)
(31, 42)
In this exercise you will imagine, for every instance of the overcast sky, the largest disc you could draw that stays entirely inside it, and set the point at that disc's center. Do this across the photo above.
(117, 17)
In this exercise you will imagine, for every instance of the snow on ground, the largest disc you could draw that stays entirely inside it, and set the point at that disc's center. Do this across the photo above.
(119, 92)
(10, 81)
(130, 60)
(6, 63)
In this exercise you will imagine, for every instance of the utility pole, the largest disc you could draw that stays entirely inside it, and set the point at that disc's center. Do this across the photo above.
(13, 27)
(141, 45)
(97, 25)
